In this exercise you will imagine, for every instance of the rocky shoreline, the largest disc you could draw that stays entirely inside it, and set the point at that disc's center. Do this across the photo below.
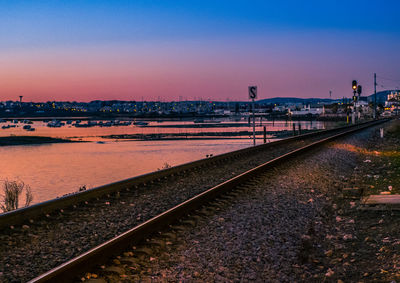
(26, 140)
(207, 135)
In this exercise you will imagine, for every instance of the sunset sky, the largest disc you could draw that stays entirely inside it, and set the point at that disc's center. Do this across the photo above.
(129, 50)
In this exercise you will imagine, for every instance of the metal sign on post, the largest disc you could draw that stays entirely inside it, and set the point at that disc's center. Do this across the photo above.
(253, 92)
(252, 96)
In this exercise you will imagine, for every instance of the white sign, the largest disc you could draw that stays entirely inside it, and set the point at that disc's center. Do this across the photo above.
(253, 92)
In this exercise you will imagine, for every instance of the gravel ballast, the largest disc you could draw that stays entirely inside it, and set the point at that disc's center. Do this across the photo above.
(293, 224)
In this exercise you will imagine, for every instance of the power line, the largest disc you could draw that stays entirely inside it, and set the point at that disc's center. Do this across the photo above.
(388, 79)
(387, 87)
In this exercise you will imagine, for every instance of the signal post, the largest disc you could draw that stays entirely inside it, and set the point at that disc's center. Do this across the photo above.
(357, 89)
(252, 96)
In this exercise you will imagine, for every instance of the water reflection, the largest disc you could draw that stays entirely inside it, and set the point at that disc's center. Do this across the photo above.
(57, 169)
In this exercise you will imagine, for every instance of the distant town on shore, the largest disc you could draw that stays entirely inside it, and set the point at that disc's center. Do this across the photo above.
(387, 102)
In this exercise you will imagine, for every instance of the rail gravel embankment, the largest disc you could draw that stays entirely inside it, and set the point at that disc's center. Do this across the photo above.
(291, 225)
(41, 244)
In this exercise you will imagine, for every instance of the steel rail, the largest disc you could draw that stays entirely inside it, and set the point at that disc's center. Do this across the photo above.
(69, 270)
(22, 215)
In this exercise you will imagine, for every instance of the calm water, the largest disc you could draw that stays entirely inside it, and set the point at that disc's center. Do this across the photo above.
(94, 133)
(56, 169)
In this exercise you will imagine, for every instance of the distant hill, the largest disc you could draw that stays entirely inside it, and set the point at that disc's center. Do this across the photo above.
(288, 100)
(381, 96)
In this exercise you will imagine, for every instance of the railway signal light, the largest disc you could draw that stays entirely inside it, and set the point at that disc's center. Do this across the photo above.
(354, 85)
(359, 90)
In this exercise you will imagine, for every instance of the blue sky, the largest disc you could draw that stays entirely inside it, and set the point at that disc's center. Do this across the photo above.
(79, 22)
(356, 38)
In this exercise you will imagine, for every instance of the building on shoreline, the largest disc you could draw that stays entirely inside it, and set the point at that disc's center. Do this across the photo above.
(289, 107)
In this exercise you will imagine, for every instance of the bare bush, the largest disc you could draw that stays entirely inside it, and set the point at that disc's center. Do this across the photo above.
(12, 195)
(165, 166)
(82, 188)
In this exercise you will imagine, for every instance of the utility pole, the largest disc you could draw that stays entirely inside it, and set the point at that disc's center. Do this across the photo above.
(374, 95)
(330, 94)
(359, 91)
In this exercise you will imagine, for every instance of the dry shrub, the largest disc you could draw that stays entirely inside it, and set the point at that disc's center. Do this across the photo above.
(12, 195)
(394, 128)
(165, 166)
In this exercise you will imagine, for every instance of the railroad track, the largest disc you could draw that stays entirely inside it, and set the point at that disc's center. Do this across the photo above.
(42, 209)
(78, 266)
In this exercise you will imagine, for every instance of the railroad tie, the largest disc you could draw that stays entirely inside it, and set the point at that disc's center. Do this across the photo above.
(179, 228)
(169, 235)
(96, 280)
(114, 270)
(233, 194)
(189, 222)
(223, 201)
(130, 260)
(227, 197)
(157, 242)
(146, 251)
(197, 218)
(218, 204)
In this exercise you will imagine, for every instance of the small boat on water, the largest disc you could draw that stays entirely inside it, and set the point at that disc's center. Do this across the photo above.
(8, 126)
(106, 124)
(55, 124)
(140, 123)
(92, 123)
(28, 128)
(78, 125)
(200, 121)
